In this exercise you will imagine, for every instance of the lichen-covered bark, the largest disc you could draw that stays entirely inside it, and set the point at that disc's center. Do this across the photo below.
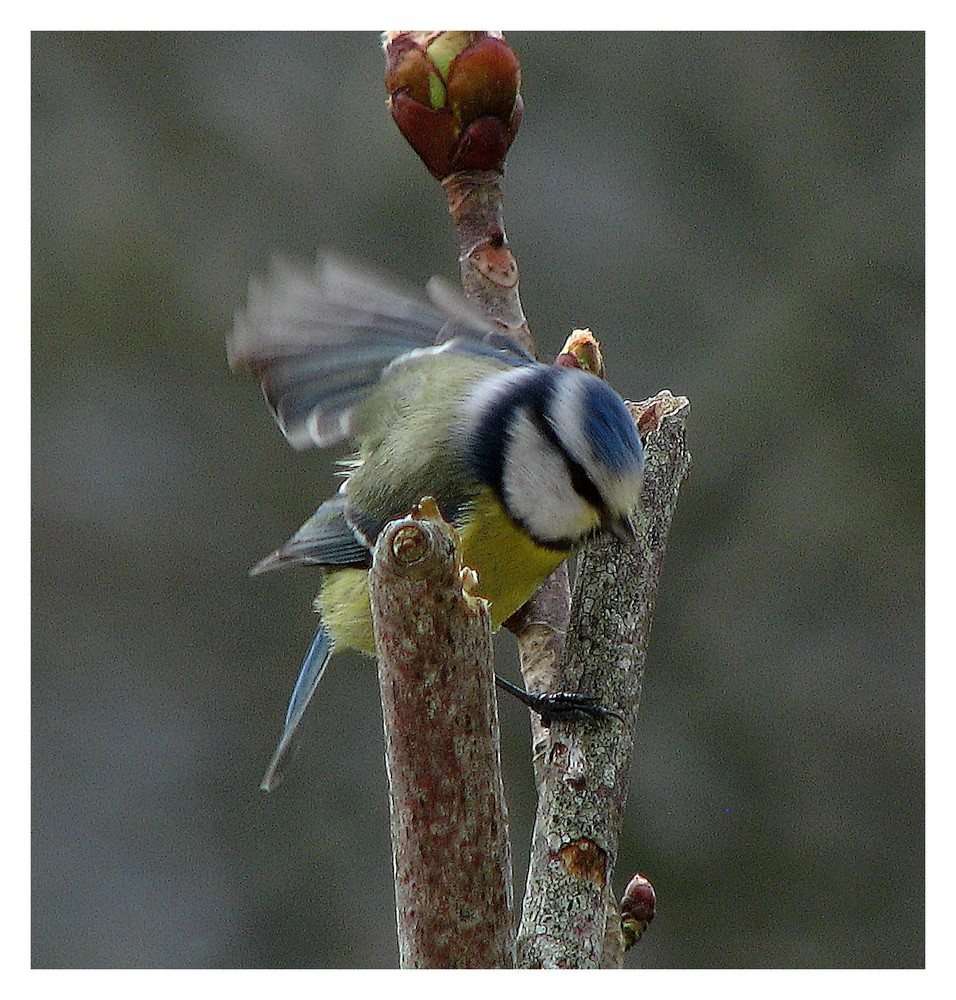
(583, 779)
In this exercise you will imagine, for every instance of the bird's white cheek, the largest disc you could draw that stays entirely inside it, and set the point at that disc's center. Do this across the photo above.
(537, 488)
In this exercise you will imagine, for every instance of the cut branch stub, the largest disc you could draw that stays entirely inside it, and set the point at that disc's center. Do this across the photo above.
(449, 826)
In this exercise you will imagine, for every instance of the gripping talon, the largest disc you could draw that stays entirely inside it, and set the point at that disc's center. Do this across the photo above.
(560, 706)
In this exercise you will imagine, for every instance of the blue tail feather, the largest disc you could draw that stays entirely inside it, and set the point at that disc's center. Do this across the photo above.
(313, 667)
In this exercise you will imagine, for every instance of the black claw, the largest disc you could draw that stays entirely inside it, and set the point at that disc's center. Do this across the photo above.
(560, 706)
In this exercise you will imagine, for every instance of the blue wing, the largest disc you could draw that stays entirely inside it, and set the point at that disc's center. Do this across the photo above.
(310, 673)
(320, 340)
(326, 539)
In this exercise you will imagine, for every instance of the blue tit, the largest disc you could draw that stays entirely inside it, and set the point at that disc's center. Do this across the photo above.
(526, 460)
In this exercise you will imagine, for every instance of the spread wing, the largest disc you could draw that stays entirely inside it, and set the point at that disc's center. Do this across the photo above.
(319, 340)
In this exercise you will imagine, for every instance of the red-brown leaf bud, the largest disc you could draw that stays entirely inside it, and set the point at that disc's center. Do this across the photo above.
(637, 908)
(454, 96)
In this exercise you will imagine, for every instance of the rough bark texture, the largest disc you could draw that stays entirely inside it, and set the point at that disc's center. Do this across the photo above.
(584, 781)
(449, 826)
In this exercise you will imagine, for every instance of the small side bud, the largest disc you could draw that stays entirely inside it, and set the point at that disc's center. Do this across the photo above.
(649, 413)
(426, 510)
(637, 909)
(581, 350)
(454, 96)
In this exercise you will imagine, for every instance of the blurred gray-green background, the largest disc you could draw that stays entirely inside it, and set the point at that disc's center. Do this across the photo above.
(739, 217)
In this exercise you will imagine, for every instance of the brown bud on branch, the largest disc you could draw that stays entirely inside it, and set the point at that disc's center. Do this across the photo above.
(454, 96)
(637, 909)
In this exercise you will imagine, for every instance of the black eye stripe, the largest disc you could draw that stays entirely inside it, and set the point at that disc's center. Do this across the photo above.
(531, 396)
(580, 480)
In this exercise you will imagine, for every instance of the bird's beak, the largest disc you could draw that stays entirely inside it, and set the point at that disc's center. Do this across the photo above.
(622, 528)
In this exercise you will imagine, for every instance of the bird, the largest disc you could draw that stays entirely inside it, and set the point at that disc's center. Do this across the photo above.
(526, 460)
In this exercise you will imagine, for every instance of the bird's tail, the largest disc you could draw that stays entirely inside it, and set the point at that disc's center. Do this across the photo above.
(313, 667)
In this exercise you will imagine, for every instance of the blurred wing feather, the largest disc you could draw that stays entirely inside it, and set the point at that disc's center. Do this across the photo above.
(320, 340)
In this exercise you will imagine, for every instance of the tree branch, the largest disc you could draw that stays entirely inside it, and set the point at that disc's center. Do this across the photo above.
(454, 96)
(449, 825)
(585, 770)
(489, 272)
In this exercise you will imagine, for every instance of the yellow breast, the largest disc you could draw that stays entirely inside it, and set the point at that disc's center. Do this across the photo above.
(510, 568)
